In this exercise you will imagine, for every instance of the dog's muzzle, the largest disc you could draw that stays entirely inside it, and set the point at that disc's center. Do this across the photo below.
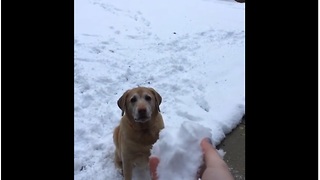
(143, 116)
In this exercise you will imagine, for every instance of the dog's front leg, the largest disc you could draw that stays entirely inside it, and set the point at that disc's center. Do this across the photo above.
(127, 168)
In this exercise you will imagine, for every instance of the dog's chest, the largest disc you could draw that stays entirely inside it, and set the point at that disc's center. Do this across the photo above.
(145, 137)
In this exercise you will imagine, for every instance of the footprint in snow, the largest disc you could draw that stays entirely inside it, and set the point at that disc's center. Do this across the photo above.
(188, 116)
(202, 103)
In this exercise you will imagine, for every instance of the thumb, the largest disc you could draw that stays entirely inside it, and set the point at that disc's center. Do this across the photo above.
(210, 153)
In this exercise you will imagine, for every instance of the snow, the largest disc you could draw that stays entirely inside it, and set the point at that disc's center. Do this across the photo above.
(175, 152)
(191, 52)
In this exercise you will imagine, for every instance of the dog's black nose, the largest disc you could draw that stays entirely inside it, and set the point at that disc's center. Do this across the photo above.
(142, 112)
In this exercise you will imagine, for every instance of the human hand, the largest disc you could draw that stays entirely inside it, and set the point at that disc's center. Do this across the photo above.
(214, 168)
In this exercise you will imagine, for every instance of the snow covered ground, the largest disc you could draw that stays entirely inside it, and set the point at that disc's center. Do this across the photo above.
(190, 51)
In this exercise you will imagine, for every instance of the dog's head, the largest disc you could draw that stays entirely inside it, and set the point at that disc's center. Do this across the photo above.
(140, 103)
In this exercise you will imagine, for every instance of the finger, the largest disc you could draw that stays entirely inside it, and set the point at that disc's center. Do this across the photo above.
(153, 164)
(215, 165)
(205, 145)
(210, 153)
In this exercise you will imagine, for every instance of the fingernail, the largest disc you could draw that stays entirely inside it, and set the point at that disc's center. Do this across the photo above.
(209, 141)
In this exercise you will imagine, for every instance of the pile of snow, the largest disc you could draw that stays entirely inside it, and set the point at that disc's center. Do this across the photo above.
(179, 151)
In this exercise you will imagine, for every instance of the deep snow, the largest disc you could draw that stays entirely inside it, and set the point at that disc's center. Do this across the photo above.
(191, 52)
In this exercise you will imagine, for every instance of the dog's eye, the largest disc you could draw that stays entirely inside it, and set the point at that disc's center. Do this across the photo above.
(133, 99)
(148, 98)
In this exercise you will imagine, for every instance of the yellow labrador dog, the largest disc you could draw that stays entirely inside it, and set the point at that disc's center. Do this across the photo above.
(139, 129)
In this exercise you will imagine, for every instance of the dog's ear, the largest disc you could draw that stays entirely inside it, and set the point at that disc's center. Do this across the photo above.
(122, 102)
(158, 98)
